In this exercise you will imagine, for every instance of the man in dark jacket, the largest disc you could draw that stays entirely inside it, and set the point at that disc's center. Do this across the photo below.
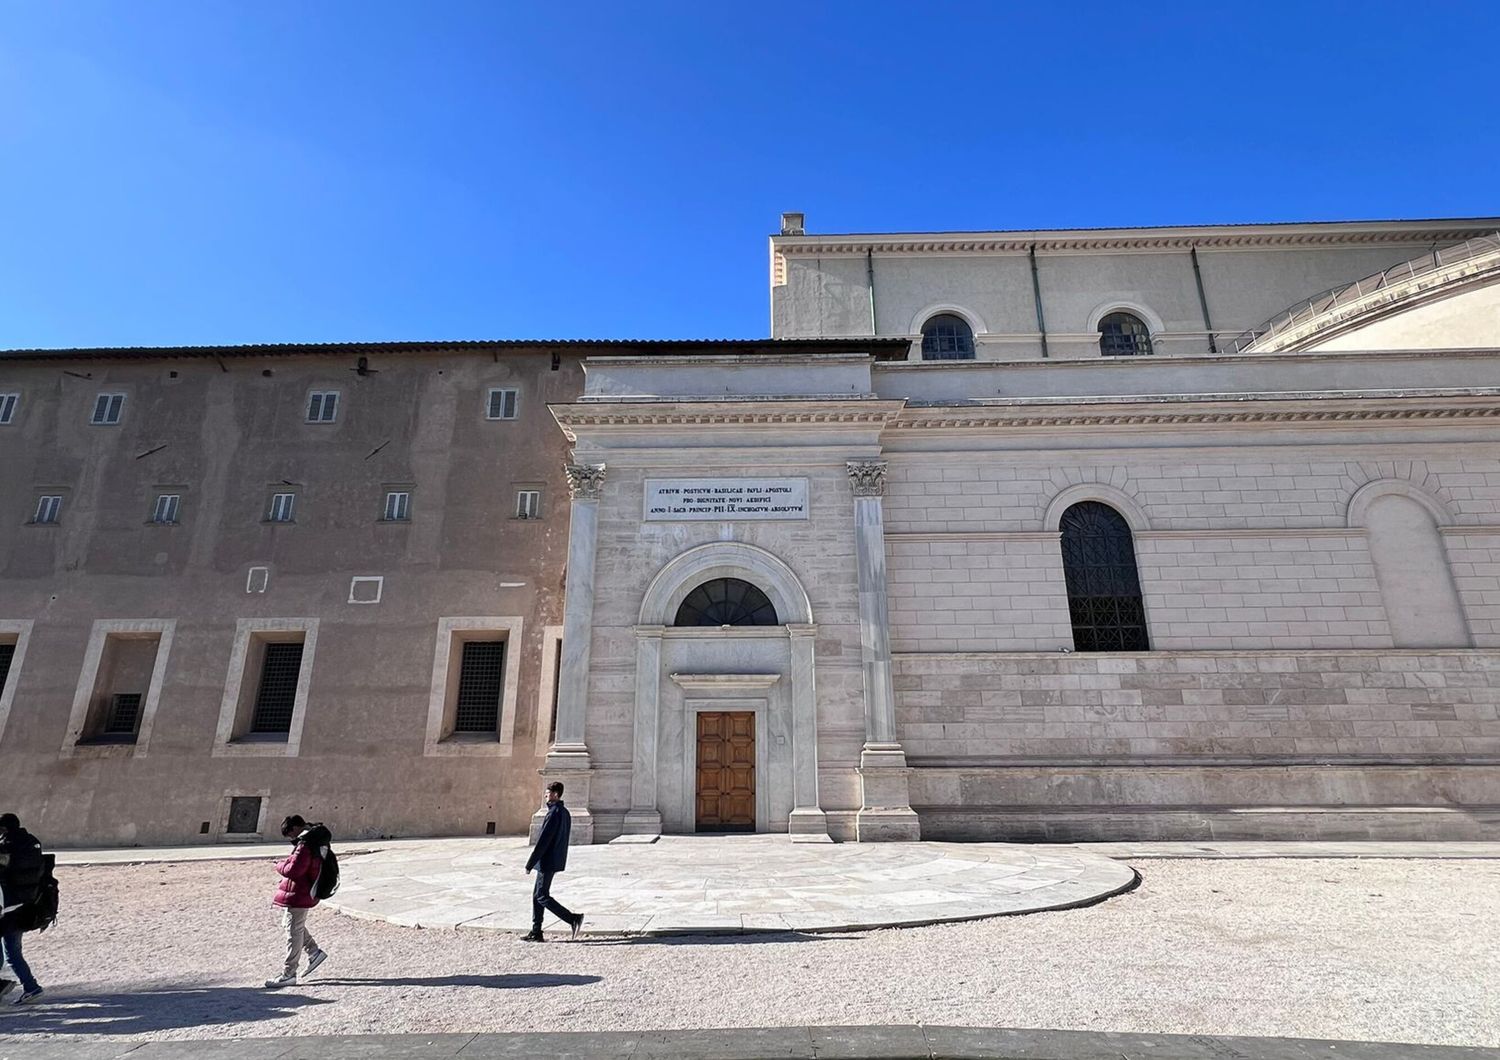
(548, 857)
(21, 871)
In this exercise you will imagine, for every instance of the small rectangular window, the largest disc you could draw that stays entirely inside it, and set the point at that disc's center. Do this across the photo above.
(481, 682)
(48, 508)
(397, 506)
(107, 409)
(322, 406)
(8, 403)
(167, 505)
(282, 507)
(244, 815)
(277, 694)
(502, 403)
(528, 504)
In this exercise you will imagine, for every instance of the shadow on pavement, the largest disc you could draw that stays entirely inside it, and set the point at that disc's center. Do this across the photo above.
(493, 982)
(62, 1011)
(748, 938)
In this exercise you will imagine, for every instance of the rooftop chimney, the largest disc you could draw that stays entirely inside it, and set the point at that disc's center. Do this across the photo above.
(792, 224)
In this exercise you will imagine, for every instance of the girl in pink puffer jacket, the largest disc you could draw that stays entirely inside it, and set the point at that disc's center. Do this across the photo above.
(295, 895)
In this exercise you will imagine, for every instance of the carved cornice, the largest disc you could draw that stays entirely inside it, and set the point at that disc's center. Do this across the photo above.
(834, 412)
(1201, 411)
(1417, 233)
(585, 481)
(867, 477)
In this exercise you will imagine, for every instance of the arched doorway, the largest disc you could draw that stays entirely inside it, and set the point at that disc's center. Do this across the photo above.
(725, 735)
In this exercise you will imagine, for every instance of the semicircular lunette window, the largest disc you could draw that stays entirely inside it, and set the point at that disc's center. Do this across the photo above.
(727, 602)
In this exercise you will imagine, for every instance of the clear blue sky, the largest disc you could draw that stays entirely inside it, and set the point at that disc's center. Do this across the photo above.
(208, 172)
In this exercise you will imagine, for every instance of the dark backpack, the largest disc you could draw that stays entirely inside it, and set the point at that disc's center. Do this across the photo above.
(321, 840)
(42, 913)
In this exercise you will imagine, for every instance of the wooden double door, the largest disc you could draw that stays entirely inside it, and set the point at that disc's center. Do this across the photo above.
(726, 771)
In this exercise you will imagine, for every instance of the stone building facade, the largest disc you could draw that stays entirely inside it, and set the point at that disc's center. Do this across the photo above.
(238, 583)
(1197, 562)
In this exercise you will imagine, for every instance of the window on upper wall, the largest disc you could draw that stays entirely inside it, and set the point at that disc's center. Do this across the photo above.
(726, 602)
(528, 504)
(1104, 588)
(48, 509)
(8, 403)
(501, 402)
(107, 409)
(1124, 335)
(481, 685)
(166, 508)
(282, 508)
(322, 406)
(946, 337)
(276, 694)
(397, 506)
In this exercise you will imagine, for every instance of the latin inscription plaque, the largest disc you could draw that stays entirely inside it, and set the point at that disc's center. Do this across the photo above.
(721, 499)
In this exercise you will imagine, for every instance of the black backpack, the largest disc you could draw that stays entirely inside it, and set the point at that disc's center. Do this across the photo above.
(321, 840)
(42, 913)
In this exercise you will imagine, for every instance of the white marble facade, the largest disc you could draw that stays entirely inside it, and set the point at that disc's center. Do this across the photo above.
(1319, 567)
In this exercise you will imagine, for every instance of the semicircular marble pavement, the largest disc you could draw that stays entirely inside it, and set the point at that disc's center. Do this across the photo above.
(730, 884)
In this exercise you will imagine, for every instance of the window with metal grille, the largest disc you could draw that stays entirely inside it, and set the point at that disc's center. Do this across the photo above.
(124, 714)
(397, 507)
(946, 337)
(1124, 335)
(322, 406)
(481, 679)
(165, 510)
(48, 508)
(528, 504)
(500, 404)
(282, 506)
(8, 403)
(244, 815)
(107, 409)
(1104, 587)
(277, 694)
(7, 653)
(726, 602)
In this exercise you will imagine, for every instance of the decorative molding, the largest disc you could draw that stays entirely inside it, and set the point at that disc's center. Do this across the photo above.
(1116, 498)
(967, 315)
(1415, 233)
(724, 682)
(744, 412)
(585, 481)
(725, 559)
(1271, 761)
(1152, 321)
(1204, 409)
(1370, 492)
(867, 477)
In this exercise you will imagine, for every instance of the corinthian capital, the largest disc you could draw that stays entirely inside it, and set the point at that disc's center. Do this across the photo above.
(867, 477)
(585, 481)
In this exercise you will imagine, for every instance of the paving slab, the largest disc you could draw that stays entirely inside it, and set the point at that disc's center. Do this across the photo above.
(725, 884)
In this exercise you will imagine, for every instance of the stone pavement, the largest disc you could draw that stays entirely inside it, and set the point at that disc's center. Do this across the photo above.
(725, 884)
(758, 1043)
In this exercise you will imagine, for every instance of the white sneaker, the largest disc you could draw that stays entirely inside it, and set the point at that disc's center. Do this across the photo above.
(314, 962)
(280, 981)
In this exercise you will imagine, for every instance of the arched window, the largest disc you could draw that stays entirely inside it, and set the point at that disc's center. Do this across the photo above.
(726, 602)
(1104, 590)
(946, 337)
(1124, 335)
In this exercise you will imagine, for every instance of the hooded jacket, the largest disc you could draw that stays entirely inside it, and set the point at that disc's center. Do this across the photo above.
(22, 871)
(299, 870)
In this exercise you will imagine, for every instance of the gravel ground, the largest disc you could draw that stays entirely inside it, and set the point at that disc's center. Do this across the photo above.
(1364, 950)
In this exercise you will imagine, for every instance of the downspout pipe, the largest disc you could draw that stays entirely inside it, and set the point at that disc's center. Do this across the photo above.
(1036, 292)
(1213, 346)
(870, 278)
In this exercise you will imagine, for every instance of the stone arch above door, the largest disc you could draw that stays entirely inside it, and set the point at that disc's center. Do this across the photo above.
(725, 559)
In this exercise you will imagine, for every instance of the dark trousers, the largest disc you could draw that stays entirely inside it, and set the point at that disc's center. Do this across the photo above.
(541, 899)
(10, 953)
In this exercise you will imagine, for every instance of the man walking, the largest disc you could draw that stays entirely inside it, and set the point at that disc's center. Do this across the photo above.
(549, 857)
(296, 893)
(21, 871)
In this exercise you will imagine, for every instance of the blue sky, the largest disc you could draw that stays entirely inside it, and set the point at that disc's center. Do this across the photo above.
(211, 172)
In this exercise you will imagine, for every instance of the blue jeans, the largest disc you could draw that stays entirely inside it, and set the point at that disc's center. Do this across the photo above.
(10, 951)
